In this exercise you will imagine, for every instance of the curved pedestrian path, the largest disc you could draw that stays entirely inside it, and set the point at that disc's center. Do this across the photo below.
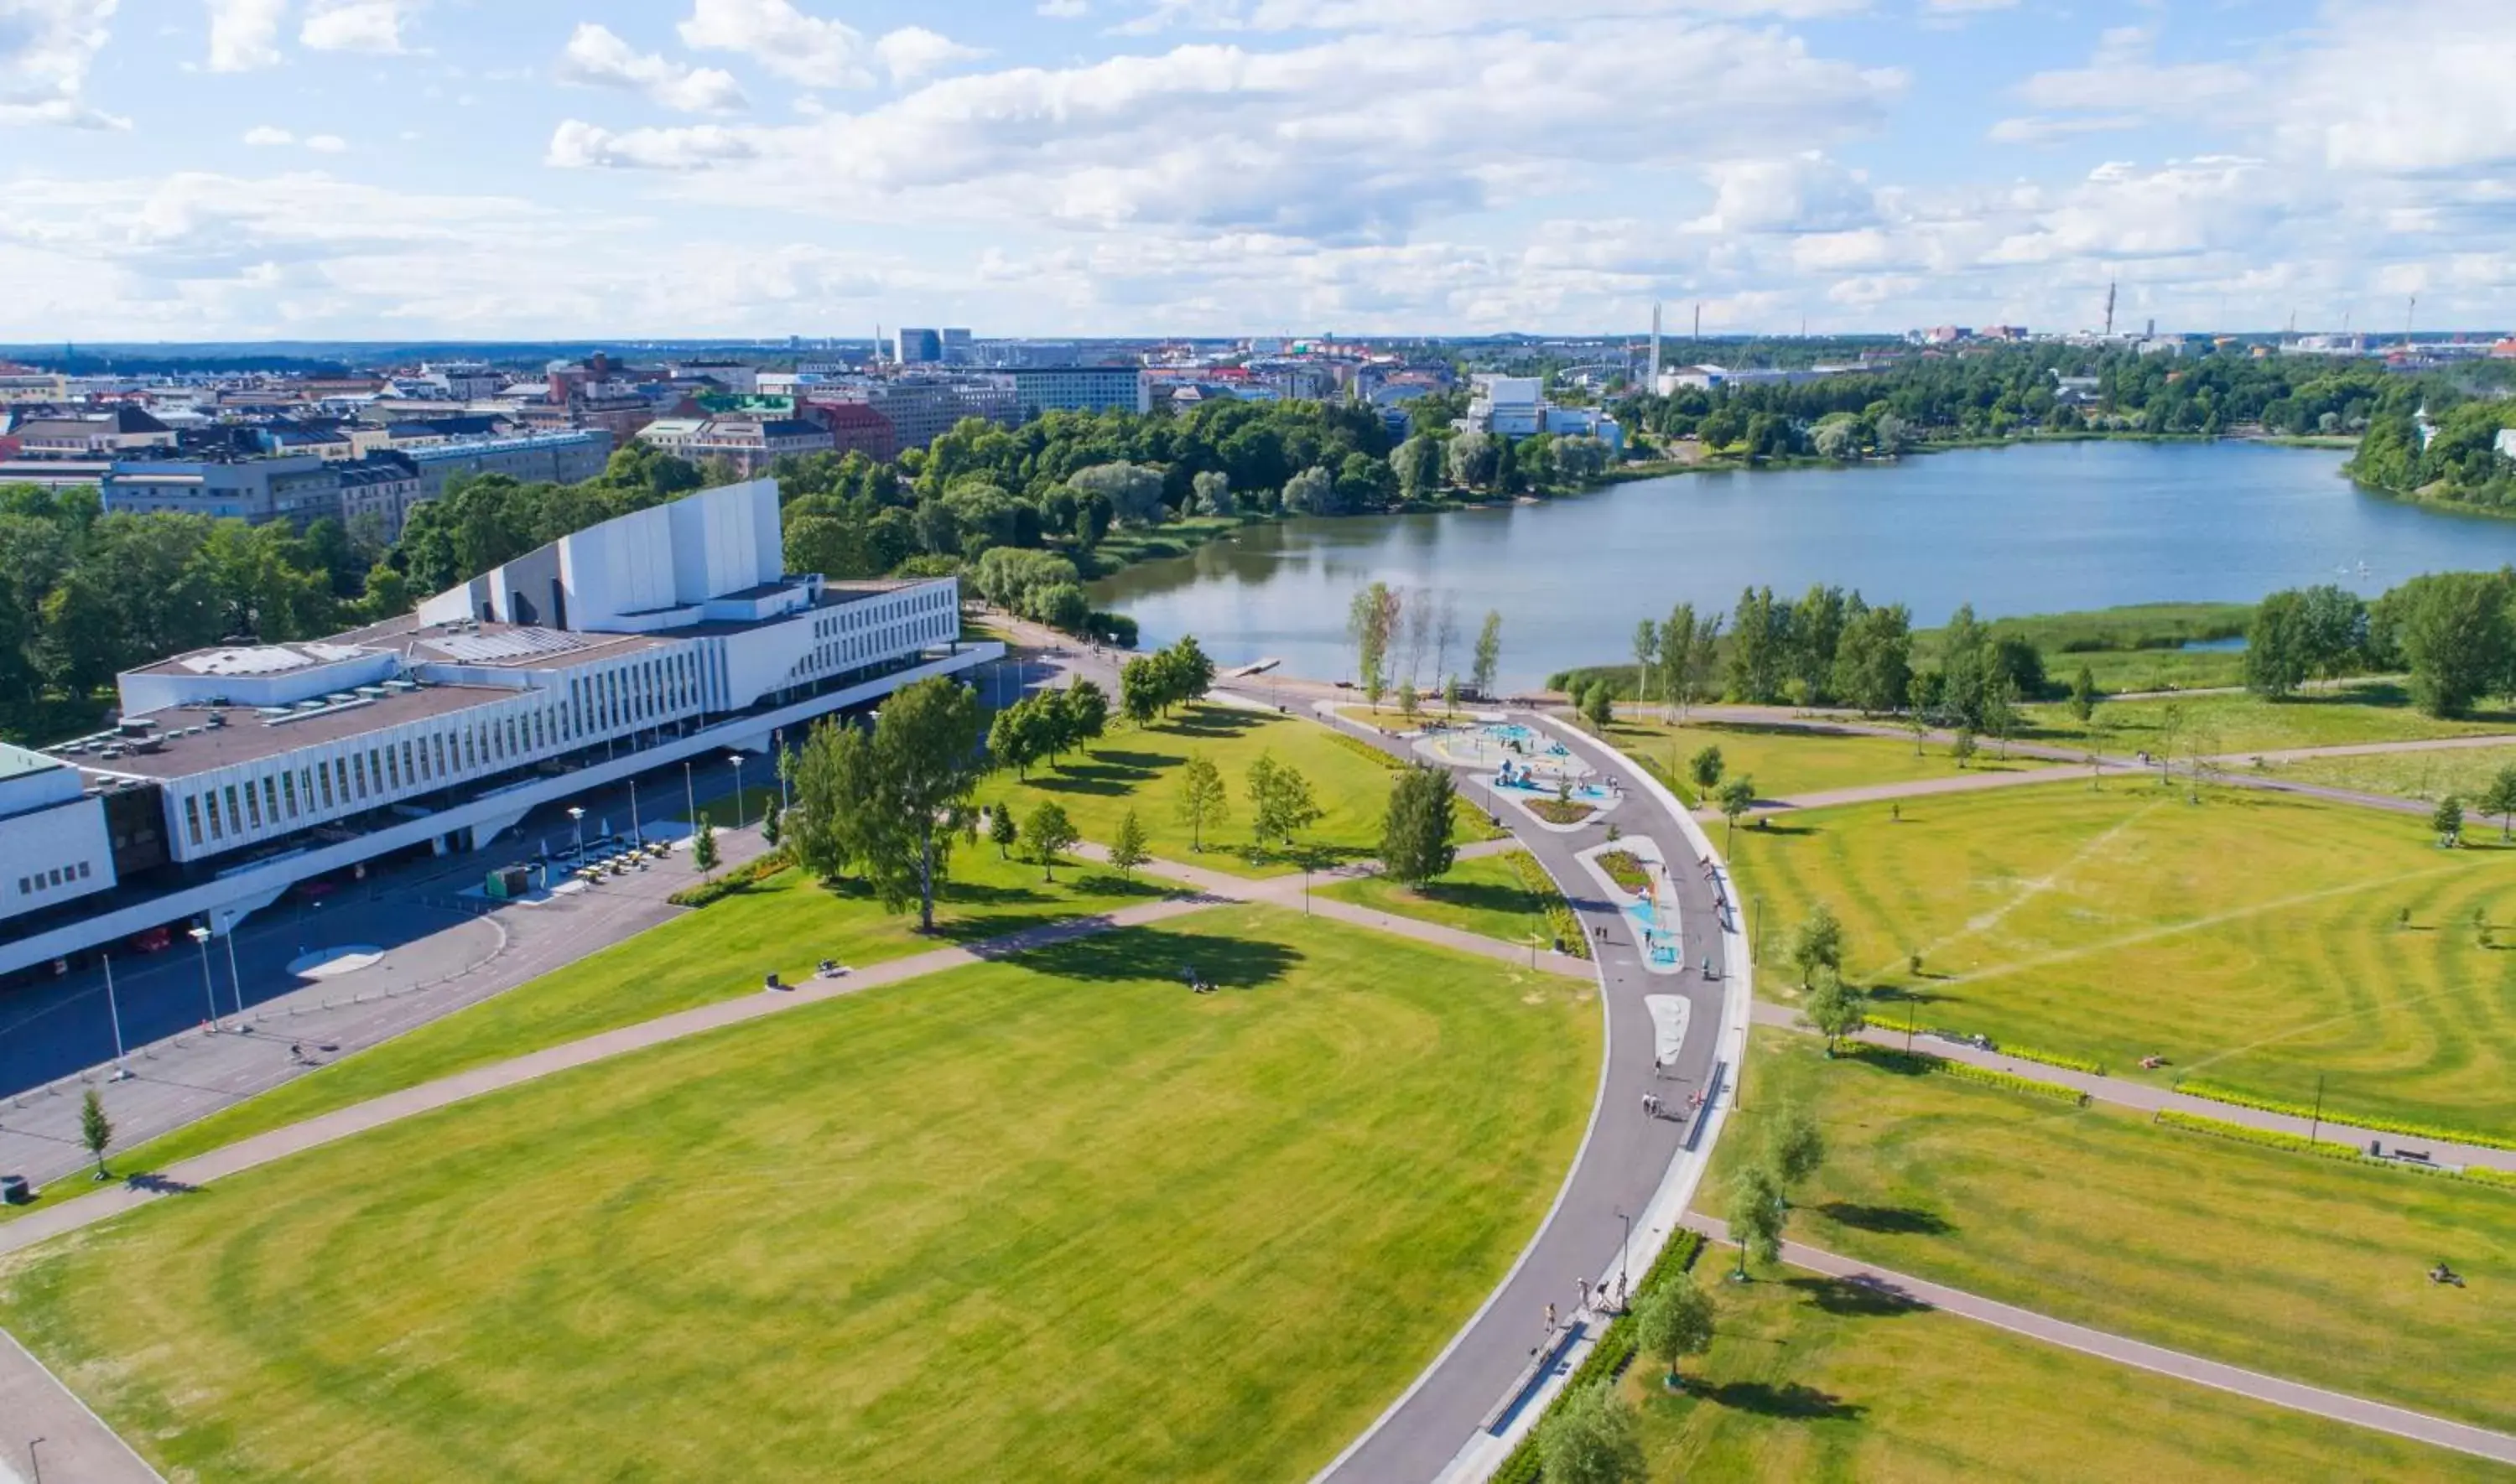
(2155, 1099)
(2402, 1421)
(1630, 1180)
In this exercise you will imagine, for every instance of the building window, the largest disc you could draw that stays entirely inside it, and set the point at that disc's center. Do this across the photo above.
(83, 873)
(358, 775)
(26, 888)
(235, 813)
(440, 755)
(288, 793)
(269, 799)
(191, 819)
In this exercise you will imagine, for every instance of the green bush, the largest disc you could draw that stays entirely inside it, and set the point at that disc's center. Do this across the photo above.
(1626, 869)
(1561, 919)
(1607, 1359)
(2299, 1144)
(740, 879)
(2237, 1097)
(2063, 1059)
(1363, 749)
(1967, 1071)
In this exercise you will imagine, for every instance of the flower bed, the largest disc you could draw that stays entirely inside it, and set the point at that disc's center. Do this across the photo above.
(2237, 1098)
(1559, 811)
(1560, 918)
(1627, 870)
(740, 879)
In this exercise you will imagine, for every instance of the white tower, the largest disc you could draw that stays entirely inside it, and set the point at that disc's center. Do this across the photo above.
(1655, 371)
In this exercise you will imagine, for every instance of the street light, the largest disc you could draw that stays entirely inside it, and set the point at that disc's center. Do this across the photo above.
(235, 981)
(637, 831)
(209, 988)
(34, 1465)
(114, 1012)
(777, 740)
(689, 793)
(736, 759)
(578, 815)
(1623, 1250)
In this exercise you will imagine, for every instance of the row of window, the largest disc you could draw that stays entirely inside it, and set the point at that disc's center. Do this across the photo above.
(58, 875)
(602, 703)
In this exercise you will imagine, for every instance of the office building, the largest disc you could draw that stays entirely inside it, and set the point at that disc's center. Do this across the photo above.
(673, 632)
(916, 348)
(298, 487)
(749, 443)
(124, 431)
(569, 457)
(1081, 388)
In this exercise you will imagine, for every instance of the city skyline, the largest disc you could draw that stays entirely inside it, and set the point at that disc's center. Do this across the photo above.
(413, 169)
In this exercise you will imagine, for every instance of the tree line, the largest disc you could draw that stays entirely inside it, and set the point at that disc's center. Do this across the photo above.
(2453, 632)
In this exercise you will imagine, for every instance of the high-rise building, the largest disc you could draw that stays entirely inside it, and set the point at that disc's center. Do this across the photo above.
(1081, 388)
(916, 348)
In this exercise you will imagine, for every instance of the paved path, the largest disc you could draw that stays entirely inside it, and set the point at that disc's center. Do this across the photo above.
(2150, 1098)
(77, 1447)
(261, 1149)
(1452, 1421)
(2402, 1421)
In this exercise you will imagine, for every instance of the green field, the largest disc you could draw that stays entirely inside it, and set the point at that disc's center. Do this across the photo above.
(1140, 770)
(1813, 1379)
(718, 952)
(2370, 711)
(2306, 1268)
(1048, 1218)
(1784, 761)
(1483, 895)
(2251, 939)
(2463, 772)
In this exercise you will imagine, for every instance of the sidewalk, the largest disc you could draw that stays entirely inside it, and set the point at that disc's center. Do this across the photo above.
(77, 1447)
(2150, 1099)
(2402, 1421)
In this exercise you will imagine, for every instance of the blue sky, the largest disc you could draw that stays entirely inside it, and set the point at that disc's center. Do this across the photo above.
(200, 169)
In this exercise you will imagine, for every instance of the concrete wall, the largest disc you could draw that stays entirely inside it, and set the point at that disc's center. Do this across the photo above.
(54, 855)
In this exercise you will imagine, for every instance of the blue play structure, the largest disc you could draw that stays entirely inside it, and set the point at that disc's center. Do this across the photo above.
(1523, 779)
(1661, 948)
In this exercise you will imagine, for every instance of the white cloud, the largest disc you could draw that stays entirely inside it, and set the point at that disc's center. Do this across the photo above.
(2041, 129)
(2125, 75)
(328, 144)
(579, 146)
(1065, 10)
(265, 134)
(1420, 16)
(800, 48)
(46, 48)
(1802, 192)
(2407, 87)
(244, 34)
(914, 53)
(355, 25)
(597, 57)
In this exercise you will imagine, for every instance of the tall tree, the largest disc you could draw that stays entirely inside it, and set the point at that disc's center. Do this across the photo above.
(1757, 1215)
(1703, 769)
(1818, 943)
(1760, 646)
(2276, 646)
(1003, 829)
(2500, 798)
(926, 761)
(1280, 802)
(2455, 630)
(1204, 801)
(96, 1131)
(1488, 660)
(835, 819)
(1795, 1147)
(1674, 1322)
(703, 849)
(1737, 798)
(1415, 845)
(1050, 830)
(1835, 1009)
(1371, 621)
(1646, 649)
(1087, 709)
(1590, 1438)
(1128, 849)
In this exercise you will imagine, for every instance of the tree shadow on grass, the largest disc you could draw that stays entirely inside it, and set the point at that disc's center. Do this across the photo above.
(1886, 1059)
(1904, 995)
(1476, 896)
(1213, 723)
(1794, 1400)
(1899, 1220)
(1857, 1299)
(1105, 774)
(1156, 954)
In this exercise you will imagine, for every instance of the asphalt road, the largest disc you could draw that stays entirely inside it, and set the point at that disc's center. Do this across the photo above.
(1621, 1164)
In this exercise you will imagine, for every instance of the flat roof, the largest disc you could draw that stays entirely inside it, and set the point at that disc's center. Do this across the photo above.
(18, 762)
(248, 738)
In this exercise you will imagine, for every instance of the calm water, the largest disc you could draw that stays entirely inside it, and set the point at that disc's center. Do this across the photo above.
(2032, 529)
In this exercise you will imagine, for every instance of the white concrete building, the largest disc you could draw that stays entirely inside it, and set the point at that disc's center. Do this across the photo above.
(667, 634)
(53, 842)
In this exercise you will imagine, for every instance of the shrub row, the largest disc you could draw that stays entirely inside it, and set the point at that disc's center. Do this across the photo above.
(1967, 1071)
(740, 879)
(2221, 1093)
(1560, 918)
(2066, 1061)
(2298, 1143)
(1609, 1358)
(1353, 744)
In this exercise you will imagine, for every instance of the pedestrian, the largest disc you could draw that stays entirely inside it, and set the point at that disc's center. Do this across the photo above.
(1583, 1284)
(1647, 1104)
(1550, 1319)
(1659, 1068)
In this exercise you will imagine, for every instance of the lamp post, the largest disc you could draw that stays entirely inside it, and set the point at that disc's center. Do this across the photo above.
(235, 981)
(209, 989)
(777, 740)
(34, 1465)
(1624, 1250)
(2316, 1126)
(113, 1012)
(736, 759)
(577, 815)
(689, 793)
(1306, 886)
(637, 831)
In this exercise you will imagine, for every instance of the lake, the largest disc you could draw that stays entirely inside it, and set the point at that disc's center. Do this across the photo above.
(2025, 530)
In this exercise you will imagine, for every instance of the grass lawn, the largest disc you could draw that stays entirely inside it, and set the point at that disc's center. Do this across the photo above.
(2250, 939)
(2463, 772)
(1784, 761)
(2371, 711)
(1813, 1378)
(2300, 1267)
(1483, 895)
(716, 953)
(756, 802)
(1048, 1218)
(1140, 770)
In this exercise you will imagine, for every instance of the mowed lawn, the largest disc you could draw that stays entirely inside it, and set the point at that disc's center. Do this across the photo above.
(1483, 895)
(2370, 711)
(2251, 939)
(1815, 1379)
(1785, 761)
(1048, 1218)
(1139, 769)
(788, 924)
(2300, 1267)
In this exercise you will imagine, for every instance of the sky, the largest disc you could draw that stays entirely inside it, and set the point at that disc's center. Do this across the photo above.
(192, 170)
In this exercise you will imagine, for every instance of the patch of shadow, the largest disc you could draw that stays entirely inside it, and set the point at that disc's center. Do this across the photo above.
(1887, 1058)
(1905, 996)
(1897, 1221)
(1796, 1400)
(1156, 954)
(158, 1184)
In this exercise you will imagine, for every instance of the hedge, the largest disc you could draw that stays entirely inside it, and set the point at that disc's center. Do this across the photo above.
(2299, 1144)
(2066, 1061)
(1967, 1071)
(740, 879)
(1561, 919)
(1609, 1358)
(1626, 869)
(2221, 1093)
(1353, 744)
